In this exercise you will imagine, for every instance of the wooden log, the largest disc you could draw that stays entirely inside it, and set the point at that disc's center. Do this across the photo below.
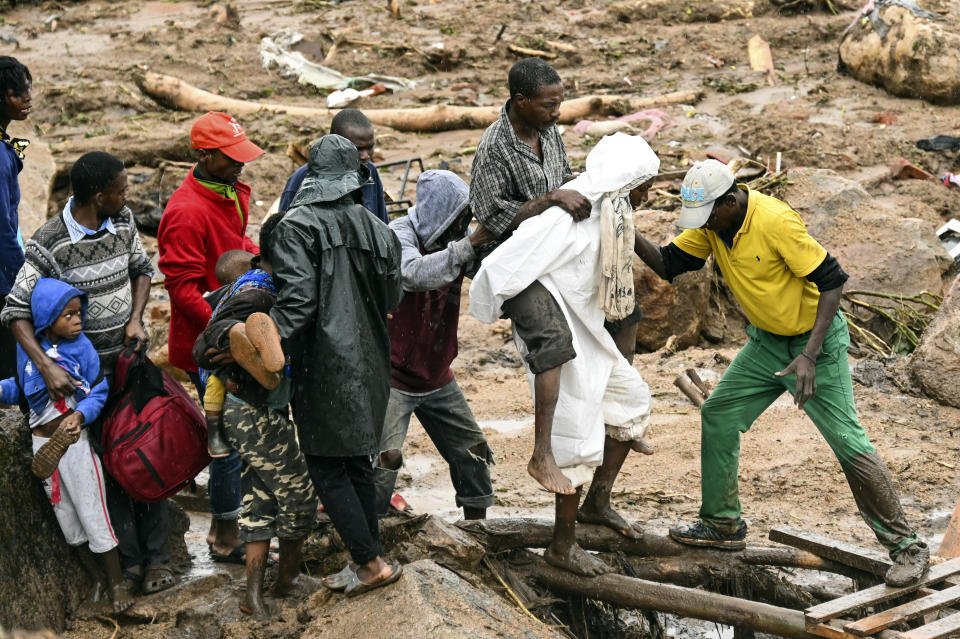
(178, 94)
(688, 602)
(692, 374)
(864, 559)
(688, 389)
(530, 53)
(498, 535)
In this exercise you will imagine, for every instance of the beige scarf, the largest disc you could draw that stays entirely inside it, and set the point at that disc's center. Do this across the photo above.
(616, 252)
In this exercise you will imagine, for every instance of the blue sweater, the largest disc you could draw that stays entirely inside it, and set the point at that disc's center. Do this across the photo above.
(11, 253)
(373, 197)
(76, 356)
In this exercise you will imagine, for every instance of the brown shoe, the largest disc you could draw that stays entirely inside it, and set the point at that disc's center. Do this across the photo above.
(48, 456)
(246, 355)
(262, 333)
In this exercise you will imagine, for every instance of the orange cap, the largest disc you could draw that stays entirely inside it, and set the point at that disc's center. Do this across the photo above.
(217, 130)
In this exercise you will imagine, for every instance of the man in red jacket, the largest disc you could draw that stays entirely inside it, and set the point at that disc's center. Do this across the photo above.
(205, 217)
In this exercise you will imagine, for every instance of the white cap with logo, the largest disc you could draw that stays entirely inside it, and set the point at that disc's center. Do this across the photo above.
(702, 185)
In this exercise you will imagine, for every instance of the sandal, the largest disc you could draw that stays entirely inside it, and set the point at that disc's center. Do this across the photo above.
(158, 577)
(358, 587)
(47, 457)
(340, 580)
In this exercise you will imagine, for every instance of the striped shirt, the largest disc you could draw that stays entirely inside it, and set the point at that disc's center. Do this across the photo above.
(507, 173)
(102, 265)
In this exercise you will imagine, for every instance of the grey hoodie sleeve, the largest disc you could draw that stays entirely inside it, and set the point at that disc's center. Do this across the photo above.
(420, 272)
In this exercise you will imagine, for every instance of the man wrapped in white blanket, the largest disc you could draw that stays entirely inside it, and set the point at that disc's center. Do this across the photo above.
(603, 404)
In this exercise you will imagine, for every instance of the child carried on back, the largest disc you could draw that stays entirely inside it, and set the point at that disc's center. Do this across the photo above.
(71, 472)
(246, 403)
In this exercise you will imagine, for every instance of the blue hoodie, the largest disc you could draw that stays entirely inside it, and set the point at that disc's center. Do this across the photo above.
(76, 356)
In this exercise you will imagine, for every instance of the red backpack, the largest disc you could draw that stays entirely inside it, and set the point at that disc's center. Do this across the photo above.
(154, 435)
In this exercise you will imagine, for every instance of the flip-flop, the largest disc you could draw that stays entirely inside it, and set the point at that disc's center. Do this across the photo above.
(340, 580)
(236, 556)
(157, 577)
(263, 334)
(358, 587)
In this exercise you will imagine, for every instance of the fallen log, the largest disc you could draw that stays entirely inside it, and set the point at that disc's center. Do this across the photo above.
(497, 535)
(175, 93)
(628, 592)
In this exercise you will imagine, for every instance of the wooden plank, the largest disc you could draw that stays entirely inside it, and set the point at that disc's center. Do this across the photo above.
(950, 546)
(871, 561)
(939, 628)
(827, 631)
(878, 594)
(905, 612)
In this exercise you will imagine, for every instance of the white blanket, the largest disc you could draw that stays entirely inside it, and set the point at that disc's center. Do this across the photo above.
(598, 386)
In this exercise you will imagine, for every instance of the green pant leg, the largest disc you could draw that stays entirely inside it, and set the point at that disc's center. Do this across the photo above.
(747, 388)
(833, 412)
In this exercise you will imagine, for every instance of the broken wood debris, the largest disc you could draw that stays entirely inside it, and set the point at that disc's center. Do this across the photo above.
(530, 53)
(869, 561)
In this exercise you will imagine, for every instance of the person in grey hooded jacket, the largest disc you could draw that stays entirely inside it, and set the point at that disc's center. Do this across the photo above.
(437, 249)
(338, 274)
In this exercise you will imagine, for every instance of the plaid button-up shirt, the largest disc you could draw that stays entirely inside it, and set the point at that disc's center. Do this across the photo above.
(507, 173)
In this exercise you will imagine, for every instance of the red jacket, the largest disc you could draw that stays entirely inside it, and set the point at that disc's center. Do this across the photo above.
(196, 228)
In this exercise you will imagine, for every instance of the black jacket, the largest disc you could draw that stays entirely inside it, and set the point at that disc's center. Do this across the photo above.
(338, 271)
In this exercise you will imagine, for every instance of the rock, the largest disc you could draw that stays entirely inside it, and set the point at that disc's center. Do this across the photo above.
(427, 601)
(879, 248)
(198, 595)
(668, 309)
(917, 57)
(668, 11)
(445, 544)
(40, 578)
(935, 363)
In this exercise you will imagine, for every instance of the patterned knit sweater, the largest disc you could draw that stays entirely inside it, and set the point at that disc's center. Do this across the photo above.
(102, 265)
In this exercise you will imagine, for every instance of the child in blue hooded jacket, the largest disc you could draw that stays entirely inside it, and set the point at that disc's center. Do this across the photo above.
(70, 469)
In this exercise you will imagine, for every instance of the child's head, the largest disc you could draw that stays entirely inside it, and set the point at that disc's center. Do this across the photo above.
(267, 251)
(58, 309)
(231, 265)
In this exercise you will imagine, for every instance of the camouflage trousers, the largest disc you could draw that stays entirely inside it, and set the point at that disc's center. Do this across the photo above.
(278, 497)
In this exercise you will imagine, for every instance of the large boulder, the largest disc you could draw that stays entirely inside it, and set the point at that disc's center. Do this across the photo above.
(679, 308)
(879, 248)
(427, 601)
(935, 363)
(40, 579)
(916, 57)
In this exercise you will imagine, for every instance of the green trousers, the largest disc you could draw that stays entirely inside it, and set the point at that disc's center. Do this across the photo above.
(749, 386)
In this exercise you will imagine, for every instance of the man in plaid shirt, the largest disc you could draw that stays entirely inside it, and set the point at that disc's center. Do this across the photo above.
(520, 164)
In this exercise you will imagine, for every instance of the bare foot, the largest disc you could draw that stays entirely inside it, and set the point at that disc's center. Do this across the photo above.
(544, 469)
(302, 586)
(576, 560)
(255, 609)
(641, 446)
(606, 517)
(121, 597)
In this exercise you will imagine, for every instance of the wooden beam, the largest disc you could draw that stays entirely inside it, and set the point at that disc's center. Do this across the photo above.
(878, 594)
(870, 561)
(940, 628)
(950, 546)
(899, 614)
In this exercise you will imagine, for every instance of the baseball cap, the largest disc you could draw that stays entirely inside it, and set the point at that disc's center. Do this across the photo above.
(702, 185)
(217, 130)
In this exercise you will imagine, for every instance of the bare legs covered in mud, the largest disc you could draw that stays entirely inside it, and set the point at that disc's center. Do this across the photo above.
(288, 574)
(106, 564)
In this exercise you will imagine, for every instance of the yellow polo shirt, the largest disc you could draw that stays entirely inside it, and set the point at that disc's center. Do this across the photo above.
(767, 265)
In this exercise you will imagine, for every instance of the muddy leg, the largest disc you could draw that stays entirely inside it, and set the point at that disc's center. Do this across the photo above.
(596, 507)
(256, 569)
(89, 562)
(289, 579)
(542, 466)
(120, 595)
(563, 551)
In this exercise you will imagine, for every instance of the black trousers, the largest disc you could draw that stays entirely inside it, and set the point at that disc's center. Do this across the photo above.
(346, 489)
(141, 528)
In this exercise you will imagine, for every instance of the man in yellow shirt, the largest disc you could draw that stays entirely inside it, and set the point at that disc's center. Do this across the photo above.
(789, 287)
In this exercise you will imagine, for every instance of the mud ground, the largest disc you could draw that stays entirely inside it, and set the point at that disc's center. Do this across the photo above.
(85, 62)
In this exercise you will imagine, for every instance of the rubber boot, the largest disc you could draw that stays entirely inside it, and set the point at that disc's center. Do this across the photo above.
(217, 446)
